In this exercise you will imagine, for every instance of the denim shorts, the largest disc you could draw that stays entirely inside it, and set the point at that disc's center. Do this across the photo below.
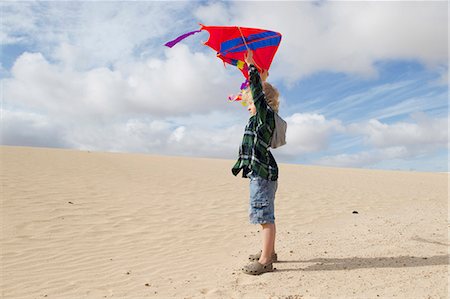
(262, 197)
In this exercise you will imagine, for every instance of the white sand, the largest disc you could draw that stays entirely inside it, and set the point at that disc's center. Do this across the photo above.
(103, 225)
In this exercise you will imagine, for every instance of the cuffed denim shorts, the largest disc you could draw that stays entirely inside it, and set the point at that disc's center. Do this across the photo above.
(262, 198)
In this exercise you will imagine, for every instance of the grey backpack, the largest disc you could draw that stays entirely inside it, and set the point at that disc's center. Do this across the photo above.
(279, 134)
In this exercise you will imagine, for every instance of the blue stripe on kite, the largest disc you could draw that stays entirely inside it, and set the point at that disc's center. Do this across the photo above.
(229, 45)
(252, 37)
(274, 41)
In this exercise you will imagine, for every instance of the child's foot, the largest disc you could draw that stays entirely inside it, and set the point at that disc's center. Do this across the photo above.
(265, 261)
(256, 257)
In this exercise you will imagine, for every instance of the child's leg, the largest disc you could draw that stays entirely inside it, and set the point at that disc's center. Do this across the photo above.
(268, 240)
(274, 236)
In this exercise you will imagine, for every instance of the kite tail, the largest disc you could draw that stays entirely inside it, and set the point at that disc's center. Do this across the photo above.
(180, 38)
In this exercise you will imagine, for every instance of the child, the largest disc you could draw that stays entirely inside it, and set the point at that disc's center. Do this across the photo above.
(257, 163)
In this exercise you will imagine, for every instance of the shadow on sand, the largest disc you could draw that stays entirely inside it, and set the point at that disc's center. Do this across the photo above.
(332, 264)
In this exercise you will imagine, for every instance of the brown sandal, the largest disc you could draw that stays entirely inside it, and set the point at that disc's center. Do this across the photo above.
(256, 268)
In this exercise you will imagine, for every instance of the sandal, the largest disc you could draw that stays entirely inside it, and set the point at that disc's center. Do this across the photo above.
(255, 257)
(256, 268)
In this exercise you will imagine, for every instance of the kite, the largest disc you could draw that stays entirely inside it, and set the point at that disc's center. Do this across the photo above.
(232, 42)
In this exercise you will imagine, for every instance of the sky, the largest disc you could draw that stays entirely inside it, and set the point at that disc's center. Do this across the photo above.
(363, 84)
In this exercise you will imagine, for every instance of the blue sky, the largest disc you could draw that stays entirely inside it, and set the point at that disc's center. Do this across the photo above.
(362, 84)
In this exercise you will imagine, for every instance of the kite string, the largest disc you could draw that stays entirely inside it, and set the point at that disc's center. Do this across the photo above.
(243, 38)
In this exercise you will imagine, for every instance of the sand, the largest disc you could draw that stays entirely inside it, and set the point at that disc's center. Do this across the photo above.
(79, 224)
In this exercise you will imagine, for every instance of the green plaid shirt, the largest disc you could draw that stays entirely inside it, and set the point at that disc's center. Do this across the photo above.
(254, 153)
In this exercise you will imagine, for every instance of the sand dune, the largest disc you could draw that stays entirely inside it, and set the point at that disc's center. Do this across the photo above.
(79, 224)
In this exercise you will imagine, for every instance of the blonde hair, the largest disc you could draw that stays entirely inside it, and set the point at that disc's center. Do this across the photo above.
(271, 95)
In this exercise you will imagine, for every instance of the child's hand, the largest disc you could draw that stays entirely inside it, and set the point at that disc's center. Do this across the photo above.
(249, 60)
(249, 57)
(264, 75)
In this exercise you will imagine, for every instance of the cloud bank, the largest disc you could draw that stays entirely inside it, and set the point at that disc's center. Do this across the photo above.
(94, 75)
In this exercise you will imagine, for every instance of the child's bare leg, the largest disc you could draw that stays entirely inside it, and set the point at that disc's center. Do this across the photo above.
(274, 236)
(268, 241)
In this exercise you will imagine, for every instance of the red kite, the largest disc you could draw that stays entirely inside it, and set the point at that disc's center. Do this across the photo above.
(232, 42)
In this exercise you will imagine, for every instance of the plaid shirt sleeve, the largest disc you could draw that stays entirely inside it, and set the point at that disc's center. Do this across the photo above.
(262, 108)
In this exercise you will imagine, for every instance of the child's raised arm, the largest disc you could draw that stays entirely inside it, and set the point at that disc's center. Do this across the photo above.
(256, 88)
(249, 60)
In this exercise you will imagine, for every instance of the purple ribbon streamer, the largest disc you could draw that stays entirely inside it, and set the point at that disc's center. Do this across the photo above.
(245, 84)
(180, 38)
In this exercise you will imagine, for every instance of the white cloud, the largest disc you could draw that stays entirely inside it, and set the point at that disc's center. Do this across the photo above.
(84, 35)
(346, 36)
(36, 84)
(181, 83)
(125, 109)
(207, 142)
(424, 134)
(308, 133)
(368, 158)
(213, 13)
(18, 21)
(32, 129)
(199, 135)
(397, 141)
(159, 137)
(184, 82)
(132, 135)
(108, 32)
(177, 135)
